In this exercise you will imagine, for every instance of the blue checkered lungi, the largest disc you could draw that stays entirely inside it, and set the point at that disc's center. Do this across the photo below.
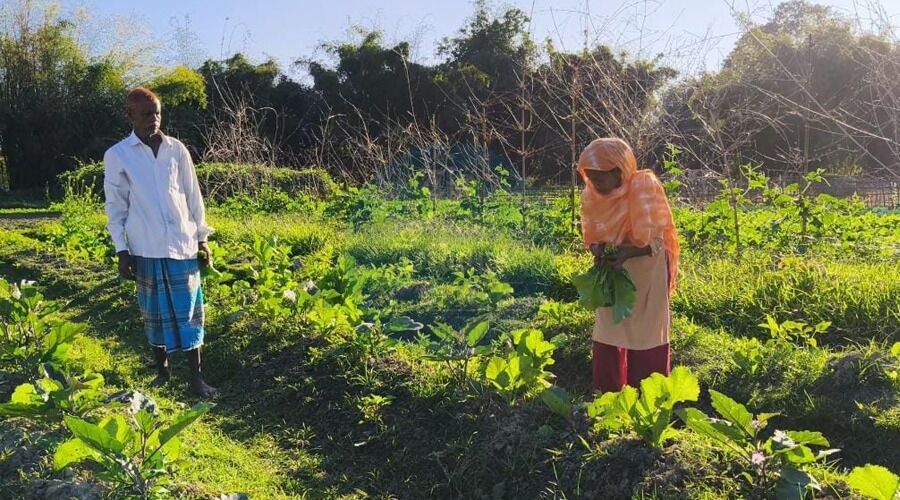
(171, 301)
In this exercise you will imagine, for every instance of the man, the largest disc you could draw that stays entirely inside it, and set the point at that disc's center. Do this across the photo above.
(158, 224)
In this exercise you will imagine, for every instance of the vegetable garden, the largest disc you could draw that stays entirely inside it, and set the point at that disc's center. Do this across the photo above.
(397, 345)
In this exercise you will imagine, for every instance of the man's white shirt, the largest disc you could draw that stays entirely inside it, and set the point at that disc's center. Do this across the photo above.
(153, 204)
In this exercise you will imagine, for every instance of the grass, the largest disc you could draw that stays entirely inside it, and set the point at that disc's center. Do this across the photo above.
(288, 424)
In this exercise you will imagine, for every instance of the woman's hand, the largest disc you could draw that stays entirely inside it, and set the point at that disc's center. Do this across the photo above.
(624, 252)
(597, 250)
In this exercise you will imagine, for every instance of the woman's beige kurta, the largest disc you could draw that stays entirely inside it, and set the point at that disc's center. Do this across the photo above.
(649, 323)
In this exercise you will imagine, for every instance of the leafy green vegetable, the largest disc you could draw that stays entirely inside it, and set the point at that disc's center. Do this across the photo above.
(648, 413)
(874, 481)
(606, 286)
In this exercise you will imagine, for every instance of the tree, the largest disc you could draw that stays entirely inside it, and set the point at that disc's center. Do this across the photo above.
(57, 107)
(804, 90)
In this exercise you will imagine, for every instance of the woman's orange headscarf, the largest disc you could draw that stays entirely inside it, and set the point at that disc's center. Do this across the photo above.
(636, 213)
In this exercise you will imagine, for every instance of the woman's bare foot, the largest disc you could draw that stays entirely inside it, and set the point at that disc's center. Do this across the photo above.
(203, 390)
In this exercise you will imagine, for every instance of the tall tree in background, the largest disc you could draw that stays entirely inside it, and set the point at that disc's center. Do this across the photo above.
(56, 105)
(802, 91)
(255, 114)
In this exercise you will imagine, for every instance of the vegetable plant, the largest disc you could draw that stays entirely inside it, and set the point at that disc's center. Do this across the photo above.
(456, 348)
(523, 369)
(647, 413)
(52, 399)
(794, 332)
(781, 455)
(32, 333)
(136, 455)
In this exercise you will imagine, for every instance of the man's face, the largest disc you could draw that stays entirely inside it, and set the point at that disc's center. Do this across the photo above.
(605, 181)
(145, 117)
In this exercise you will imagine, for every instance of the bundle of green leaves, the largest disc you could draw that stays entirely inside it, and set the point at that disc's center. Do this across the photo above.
(606, 286)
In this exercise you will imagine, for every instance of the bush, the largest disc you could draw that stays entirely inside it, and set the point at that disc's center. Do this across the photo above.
(219, 181)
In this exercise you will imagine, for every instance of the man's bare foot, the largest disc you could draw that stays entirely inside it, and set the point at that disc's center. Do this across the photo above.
(203, 390)
(162, 378)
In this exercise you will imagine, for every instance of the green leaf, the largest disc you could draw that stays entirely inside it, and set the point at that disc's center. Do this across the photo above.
(558, 400)
(624, 294)
(25, 394)
(61, 334)
(496, 372)
(476, 333)
(72, 451)
(792, 485)
(800, 455)
(182, 421)
(874, 481)
(814, 438)
(404, 324)
(895, 350)
(683, 385)
(700, 423)
(732, 411)
(118, 428)
(592, 288)
(94, 436)
(444, 332)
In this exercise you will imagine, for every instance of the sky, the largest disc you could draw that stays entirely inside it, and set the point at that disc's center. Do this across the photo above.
(693, 35)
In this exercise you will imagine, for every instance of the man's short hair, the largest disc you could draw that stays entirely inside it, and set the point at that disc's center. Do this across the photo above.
(140, 95)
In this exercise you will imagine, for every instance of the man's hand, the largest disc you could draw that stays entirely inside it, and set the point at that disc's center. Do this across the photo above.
(126, 265)
(204, 255)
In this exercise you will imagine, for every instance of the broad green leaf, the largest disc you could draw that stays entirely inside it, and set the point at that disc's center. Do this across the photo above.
(627, 399)
(25, 394)
(404, 324)
(683, 385)
(496, 372)
(600, 404)
(118, 428)
(444, 332)
(182, 421)
(89, 381)
(49, 385)
(800, 455)
(94, 436)
(700, 423)
(21, 409)
(558, 400)
(172, 449)
(732, 411)
(477, 332)
(874, 481)
(624, 294)
(61, 334)
(653, 392)
(514, 367)
(792, 484)
(591, 288)
(895, 350)
(72, 451)
(808, 438)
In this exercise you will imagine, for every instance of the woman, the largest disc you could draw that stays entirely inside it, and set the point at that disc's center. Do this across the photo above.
(627, 222)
